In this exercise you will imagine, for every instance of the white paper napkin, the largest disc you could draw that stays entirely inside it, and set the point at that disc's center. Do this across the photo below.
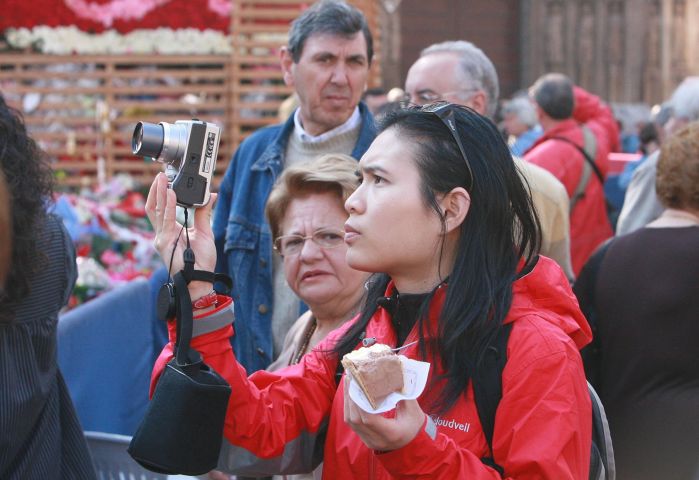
(414, 378)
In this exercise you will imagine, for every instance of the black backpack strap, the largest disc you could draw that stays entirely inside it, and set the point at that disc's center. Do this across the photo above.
(184, 355)
(588, 158)
(487, 387)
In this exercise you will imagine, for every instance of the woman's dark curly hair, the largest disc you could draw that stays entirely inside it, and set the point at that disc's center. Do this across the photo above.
(30, 183)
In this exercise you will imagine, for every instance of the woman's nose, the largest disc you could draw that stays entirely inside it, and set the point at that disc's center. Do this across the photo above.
(353, 203)
(310, 250)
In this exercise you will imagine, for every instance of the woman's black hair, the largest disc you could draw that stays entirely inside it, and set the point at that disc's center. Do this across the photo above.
(30, 182)
(499, 238)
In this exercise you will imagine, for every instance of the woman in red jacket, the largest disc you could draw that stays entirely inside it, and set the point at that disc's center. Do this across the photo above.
(444, 220)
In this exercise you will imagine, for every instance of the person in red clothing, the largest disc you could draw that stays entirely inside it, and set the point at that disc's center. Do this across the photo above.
(576, 124)
(444, 221)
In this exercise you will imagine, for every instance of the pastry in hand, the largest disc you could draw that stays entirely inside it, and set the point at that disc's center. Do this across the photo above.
(377, 370)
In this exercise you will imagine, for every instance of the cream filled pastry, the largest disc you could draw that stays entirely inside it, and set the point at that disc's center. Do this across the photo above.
(377, 370)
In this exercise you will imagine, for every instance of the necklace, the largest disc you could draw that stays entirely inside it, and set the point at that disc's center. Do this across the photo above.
(310, 330)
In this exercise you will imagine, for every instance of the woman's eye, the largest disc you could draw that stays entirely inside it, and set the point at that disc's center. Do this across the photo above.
(292, 242)
(331, 236)
(378, 179)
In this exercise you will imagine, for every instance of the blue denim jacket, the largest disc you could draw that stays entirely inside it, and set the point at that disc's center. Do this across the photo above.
(244, 239)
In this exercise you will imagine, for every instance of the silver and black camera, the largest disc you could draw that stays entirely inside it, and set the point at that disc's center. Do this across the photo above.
(188, 148)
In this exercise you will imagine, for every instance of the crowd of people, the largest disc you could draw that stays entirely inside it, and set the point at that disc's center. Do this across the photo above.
(428, 219)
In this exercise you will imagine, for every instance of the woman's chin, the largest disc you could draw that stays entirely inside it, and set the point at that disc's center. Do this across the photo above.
(318, 291)
(315, 298)
(362, 264)
(355, 259)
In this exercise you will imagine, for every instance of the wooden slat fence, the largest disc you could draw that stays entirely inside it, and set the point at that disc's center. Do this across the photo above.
(82, 109)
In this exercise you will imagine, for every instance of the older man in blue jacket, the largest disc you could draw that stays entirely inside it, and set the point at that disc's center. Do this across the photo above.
(327, 62)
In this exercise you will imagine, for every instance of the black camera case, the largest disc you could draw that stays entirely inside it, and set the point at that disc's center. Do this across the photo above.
(182, 430)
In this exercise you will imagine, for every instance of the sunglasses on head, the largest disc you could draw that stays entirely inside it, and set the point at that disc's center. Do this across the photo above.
(445, 112)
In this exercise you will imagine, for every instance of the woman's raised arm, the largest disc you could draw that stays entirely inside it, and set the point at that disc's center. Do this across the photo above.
(161, 208)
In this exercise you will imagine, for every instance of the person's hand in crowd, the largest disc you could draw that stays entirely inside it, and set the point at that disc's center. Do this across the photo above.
(381, 433)
(161, 209)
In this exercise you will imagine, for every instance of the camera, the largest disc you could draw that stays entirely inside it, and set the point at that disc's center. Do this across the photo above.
(188, 148)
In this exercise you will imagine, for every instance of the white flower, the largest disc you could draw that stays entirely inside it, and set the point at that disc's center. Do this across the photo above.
(66, 40)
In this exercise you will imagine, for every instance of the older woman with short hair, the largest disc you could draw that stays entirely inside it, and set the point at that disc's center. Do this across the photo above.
(521, 124)
(306, 214)
(641, 292)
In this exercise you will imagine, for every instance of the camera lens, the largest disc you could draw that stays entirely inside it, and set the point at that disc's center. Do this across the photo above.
(147, 140)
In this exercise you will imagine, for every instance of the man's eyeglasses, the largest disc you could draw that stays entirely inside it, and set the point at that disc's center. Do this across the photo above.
(424, 97)
(325, 238)
(445, 112)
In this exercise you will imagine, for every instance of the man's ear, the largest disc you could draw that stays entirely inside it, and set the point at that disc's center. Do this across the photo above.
(479, 102)
(455, 206)
(540, 114)
(287, 64)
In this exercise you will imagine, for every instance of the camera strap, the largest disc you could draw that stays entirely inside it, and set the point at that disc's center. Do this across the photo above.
(183, 302)
(185, 323)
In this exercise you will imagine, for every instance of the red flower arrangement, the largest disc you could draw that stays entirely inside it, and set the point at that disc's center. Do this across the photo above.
(175, 14)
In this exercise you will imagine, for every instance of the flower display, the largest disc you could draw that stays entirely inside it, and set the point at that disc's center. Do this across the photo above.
(113, 239)
(107, 13)
(70, 39)
(95, 16)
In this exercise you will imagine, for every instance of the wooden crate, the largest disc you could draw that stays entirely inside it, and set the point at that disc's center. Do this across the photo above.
(82, 108)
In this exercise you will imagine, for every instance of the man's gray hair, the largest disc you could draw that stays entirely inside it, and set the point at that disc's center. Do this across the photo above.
(476, 69)
(523, 108)
(685, 100)
(333, 17)
(554, 94)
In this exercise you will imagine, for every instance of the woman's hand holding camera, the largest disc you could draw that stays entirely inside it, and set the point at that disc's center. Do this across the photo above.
(161, 209)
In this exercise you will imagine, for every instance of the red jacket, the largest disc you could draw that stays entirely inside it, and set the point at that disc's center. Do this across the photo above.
(597, 115)
(542, 426)
(589, 224)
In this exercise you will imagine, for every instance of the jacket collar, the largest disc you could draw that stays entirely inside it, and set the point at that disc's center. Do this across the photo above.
(367, 132)
(384, 324)
(546, 293)
(272, 155)
(562, 129)
(543, 292)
